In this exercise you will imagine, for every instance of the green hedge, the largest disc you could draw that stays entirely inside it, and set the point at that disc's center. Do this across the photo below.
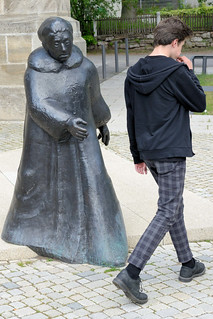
(199, 10)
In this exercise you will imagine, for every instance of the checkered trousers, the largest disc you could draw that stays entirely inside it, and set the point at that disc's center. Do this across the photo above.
(169, 217)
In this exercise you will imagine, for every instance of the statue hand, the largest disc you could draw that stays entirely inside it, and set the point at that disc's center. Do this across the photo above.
(76, 130)
(104, 134)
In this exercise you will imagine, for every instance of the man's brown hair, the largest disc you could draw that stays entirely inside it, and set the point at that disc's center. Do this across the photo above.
(170, 29)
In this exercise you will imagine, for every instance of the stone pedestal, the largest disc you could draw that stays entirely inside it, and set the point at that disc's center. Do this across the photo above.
(19, 22)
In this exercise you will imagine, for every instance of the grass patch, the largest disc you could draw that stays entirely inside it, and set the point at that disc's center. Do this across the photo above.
(20, 264)
(209, 103)
(23, 264)
(207, 80)
(111, 269)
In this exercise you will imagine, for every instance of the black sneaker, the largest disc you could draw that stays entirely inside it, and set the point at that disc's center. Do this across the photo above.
(187, 274)
(131, 287)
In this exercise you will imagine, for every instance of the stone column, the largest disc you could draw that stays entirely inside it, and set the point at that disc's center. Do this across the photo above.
(19, 22)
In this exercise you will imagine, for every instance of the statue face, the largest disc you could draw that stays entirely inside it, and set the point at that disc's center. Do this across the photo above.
(59, 45)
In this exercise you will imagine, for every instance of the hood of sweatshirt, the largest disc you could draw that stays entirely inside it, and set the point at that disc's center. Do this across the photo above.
(149, 72)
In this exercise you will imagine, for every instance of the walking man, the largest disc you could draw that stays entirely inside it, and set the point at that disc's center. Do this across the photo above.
(160, 90)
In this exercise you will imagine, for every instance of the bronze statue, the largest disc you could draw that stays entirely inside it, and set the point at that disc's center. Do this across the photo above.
(64, 205)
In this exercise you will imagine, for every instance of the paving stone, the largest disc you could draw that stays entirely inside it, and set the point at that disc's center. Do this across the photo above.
(32, 302)
(97, 277)
(152, 316)
(167, 312)
(99, 299)
(207, 308)
(81, 312)
(64, 309)
(131, 315)
(17, 304)
(86, 274)
(26, 311)
(7, 315)
(5, 308)
(75, 305)
(15, 292)
(206, 316)
(95, 308)
(76, 297)
(42, 308)
(179, 305)
(182, 316)
(36, 316)
(114, 312)
(98, 315)
(10, 285)
(52, 313)
(130, 307)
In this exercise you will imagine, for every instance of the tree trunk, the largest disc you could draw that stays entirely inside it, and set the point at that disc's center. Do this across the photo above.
(128, 9)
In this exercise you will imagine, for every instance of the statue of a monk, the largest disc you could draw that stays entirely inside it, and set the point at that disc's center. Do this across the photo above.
(64, 205)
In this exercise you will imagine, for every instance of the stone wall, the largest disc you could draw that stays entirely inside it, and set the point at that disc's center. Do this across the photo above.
(199, 40)
(19, 22)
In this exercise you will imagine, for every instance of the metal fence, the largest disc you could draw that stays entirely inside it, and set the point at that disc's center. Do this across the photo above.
(145, 24)
(117, 26)
(198, 22)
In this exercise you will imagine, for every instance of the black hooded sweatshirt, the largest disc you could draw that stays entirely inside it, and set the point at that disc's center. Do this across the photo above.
(159, 94)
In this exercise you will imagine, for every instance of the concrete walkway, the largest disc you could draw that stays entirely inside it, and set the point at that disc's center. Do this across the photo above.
(32, 287)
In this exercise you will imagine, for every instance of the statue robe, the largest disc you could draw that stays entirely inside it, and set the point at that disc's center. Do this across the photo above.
(64, 204)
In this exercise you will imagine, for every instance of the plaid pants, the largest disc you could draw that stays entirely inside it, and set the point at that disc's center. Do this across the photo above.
(170, 178)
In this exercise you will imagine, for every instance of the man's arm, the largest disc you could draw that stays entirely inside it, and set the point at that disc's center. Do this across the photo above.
(186, 87)
(131, 124)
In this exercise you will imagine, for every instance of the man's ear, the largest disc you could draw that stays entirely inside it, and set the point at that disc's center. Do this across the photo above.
(174, 43)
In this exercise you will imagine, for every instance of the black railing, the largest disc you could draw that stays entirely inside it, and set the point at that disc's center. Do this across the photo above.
(144, 24)
(197, 22)
(117, 26)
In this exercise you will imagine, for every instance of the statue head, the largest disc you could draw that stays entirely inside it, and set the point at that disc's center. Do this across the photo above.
(56, 35)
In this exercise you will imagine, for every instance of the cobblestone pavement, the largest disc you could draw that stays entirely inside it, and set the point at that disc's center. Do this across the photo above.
(42, 288)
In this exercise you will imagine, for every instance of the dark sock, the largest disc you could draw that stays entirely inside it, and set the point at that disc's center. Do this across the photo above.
(190, 263)
(133, 271)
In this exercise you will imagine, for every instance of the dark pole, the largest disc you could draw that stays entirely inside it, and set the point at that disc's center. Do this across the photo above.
(116, 57)
(204, 64)
(103, 61)
(127, 51)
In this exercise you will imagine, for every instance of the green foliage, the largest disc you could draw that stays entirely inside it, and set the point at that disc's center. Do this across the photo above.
(198, 19)
(187, 11)
(89, 10)
(90, 39)
(201, 2)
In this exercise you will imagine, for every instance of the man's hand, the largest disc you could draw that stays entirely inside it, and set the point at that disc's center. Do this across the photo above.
(104, 134)
(185, 60)
(76, 130)
(141, 168)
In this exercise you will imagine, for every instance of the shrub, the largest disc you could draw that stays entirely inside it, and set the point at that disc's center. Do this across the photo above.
(90, 40)
(199, 10)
